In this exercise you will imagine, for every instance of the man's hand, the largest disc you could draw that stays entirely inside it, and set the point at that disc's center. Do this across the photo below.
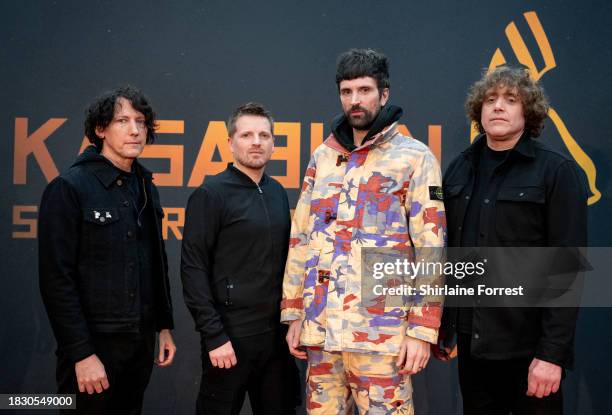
(293, 339)
(413, 355)
(166, 344)
(443, 354)
(223, 356)
(543, 379)
(91, 376)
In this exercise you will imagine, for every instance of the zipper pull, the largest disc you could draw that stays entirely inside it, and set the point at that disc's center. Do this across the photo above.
(259, 189)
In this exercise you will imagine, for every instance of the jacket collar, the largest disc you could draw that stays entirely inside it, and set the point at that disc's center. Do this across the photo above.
(104, 170)
(385, 135)
(524, 147)
(244, 178)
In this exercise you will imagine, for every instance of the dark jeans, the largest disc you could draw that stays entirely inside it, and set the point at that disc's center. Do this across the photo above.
(128, 362)
(265, 370)
(499, 387)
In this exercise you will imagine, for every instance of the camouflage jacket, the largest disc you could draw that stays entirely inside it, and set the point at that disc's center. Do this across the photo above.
(384, 193)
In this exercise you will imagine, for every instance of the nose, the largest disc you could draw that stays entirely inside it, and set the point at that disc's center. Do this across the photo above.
(498, 104)
(355, 98)
(134, 129)
(256, 140)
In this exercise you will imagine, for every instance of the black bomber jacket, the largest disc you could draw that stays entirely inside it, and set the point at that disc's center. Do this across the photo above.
(235, 244)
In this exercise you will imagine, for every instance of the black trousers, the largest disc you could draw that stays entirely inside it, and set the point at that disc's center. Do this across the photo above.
(499, 387)
(128, 362)
(265, 370)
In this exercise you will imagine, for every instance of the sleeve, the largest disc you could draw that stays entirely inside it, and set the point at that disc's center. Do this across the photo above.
(292, 307)
(567, 194)
(427, 230)
(165, 319)
(59, 227)
(202, 224)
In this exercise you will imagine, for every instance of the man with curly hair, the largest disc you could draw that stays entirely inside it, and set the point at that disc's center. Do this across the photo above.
(510, 190)
(102, 263)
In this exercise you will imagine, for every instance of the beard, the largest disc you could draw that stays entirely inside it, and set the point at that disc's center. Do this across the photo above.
(364, 122)
(250, 162)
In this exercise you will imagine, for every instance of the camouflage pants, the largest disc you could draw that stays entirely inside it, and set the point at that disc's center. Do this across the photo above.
(336, 380)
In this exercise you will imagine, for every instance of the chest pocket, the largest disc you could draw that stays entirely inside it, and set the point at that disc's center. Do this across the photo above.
(455, 206)
(100, 227)
(519, 214)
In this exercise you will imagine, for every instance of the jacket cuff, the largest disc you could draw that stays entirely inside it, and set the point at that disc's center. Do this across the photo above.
(291, 314)
(80, 351)
(164, 322)
(423, 333)
(554, 353)
(212, 342)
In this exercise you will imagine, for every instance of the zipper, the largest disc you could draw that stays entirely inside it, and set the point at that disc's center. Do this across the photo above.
(228, 295)
(265, 207)
(146, 200)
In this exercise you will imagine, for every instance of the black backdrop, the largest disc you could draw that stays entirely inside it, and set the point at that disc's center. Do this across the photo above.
(197, 60)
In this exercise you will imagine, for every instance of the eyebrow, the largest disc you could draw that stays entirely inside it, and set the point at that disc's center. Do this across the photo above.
(506, 94)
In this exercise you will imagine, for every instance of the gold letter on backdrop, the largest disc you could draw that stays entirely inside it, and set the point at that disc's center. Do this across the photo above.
(33, 144)
(174, 153)
(215, 137)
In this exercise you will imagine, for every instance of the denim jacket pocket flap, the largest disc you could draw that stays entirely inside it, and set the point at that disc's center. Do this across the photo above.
(452, 190)
(101, 216)
(533, 194)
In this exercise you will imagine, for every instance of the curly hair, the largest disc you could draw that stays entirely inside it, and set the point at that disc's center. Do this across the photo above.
(356, 63)
(250, 108)
(533, 98)
(101, 112)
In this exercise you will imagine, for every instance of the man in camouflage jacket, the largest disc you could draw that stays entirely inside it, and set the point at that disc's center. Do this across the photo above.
(366, 186)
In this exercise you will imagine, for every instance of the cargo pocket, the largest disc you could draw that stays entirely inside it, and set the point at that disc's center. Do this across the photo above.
(213, 399)
(316, 285)
(391, 399)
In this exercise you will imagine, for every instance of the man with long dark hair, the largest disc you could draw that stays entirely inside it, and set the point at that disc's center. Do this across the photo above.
(102, 262)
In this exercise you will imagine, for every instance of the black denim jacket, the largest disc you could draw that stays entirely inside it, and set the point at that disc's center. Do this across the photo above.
(88, 255)
(537, 197)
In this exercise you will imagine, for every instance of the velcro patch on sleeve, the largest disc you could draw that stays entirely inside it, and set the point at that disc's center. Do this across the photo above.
(436, 193)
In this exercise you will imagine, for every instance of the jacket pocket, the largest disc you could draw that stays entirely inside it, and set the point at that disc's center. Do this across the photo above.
(316, 284)
(102, 237)
(455, 206)
(519, 214)
(452, 190)
(100, 228)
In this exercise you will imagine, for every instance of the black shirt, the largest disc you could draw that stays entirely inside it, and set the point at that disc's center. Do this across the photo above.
(142, 211)
(488, 161)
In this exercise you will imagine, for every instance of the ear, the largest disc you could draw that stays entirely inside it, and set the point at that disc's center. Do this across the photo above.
(384, 96)
(229, 144)
(100, 132)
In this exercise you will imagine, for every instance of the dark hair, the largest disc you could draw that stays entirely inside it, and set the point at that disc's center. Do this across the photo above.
(535, 103)
(357, 63)
(250, 108)
(101, 112)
